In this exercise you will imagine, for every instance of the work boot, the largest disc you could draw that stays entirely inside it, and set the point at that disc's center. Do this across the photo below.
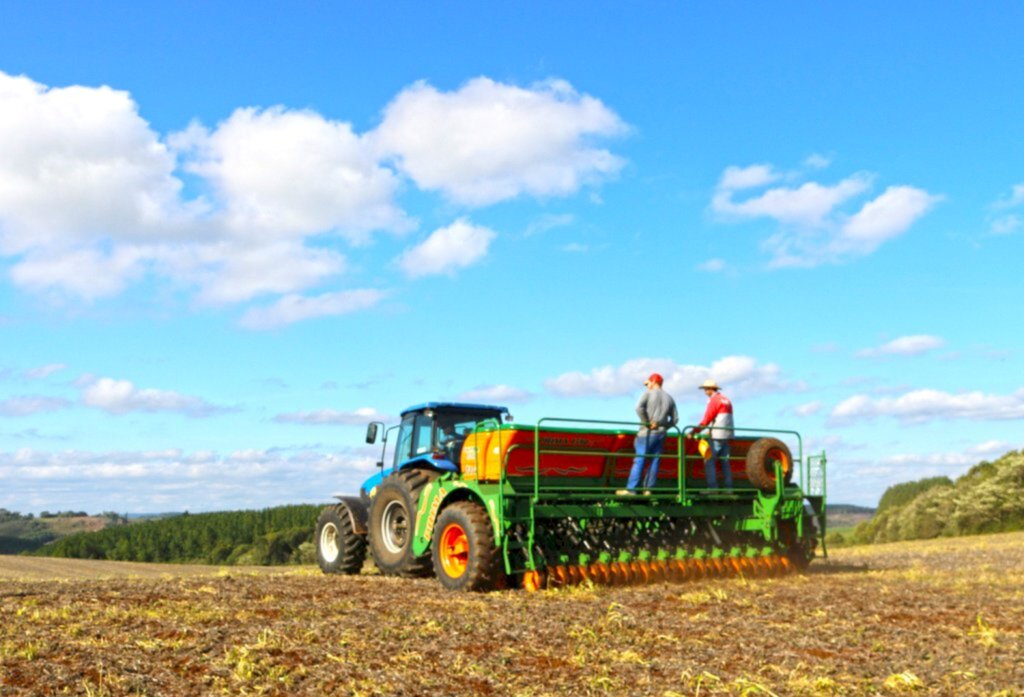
(624, 492)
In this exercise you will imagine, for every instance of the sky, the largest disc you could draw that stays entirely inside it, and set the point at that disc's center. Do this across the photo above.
(231, 234)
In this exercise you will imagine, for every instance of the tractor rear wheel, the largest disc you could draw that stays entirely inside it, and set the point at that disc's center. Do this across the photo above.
(465, 556)
(761, 459)
(393, 522)
(339, 550)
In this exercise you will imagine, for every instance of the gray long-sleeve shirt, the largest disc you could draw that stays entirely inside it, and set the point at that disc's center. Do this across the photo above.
(657, 406)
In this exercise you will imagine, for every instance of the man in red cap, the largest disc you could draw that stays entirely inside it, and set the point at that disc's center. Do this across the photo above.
(657, 412)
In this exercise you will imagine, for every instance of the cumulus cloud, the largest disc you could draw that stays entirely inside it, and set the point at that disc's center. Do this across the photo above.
(296, 308)
(920, 406)
(448, 249)
(92, 200)
(739, 375)
(278, 172)
(815, 224)
(27, 405)
(122, 396)
(914, 345)
(332, 417)
(496, 394)
(77, 160)
(488, 141)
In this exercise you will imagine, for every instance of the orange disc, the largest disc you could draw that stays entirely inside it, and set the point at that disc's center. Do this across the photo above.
(574, 574)
(599, 572)
(532, 581)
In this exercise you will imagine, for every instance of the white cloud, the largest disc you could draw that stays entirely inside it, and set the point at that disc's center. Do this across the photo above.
(808, 204)
(815, 226)
(44, 371)
(738, 375)
(77, 160)
(948, 463)
(177, 480)
(332, 417)
(296, 308)
(488, 141)
(737, 178)
(549, 222)
(230, 272)
(122, 396)
(712, 266)
(27, 405)
(1005, 225)
(920, 406)
(92, 200)
(883, 218)
(914, 345)
(808, 409)
(448, 249)
(1015, 198)
(279, 172)
(496, 394)
(817, 161)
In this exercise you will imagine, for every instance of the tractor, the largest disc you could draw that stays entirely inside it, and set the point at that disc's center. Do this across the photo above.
(484, 503)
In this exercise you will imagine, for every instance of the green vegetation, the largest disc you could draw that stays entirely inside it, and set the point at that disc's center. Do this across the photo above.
(22, 533)
(27, 533)
(280, 535)
(989, 498)
(902, 494)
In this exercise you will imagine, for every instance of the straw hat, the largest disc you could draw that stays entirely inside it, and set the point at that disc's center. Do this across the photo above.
(710, 385)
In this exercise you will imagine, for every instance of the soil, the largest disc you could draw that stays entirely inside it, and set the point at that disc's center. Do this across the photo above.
(940, 617)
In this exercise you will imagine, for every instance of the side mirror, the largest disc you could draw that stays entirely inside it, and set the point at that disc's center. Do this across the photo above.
(508, 417)
(371, 433)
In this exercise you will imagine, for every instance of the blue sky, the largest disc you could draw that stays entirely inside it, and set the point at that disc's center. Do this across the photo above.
(232, 233)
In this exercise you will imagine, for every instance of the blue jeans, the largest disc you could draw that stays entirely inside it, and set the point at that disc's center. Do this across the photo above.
(651, 444)
(719, 453)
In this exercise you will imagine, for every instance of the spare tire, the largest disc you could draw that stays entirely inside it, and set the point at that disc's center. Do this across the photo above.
(761, 459)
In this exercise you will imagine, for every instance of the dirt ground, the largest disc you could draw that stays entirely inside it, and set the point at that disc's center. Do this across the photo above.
(943, 617)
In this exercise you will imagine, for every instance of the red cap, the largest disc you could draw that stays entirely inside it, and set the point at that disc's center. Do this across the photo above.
(655, 378)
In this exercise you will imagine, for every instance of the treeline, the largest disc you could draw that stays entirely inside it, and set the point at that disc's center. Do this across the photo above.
(988, 498)
(22, 533)
(281, 535)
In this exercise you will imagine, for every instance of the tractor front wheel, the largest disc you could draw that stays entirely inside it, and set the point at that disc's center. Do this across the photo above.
(339, 550)
(464, 553)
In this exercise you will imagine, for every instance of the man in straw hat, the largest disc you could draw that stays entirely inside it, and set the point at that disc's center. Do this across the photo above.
(657, 412)
(719, 416)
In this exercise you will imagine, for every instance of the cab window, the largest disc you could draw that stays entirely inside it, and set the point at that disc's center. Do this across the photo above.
(424, 429)
(403, 448)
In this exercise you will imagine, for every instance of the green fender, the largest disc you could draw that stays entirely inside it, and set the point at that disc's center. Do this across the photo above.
(441, 492)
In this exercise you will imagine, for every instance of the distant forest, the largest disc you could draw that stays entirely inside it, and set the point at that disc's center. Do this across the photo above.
(281, 535)
(988, 498)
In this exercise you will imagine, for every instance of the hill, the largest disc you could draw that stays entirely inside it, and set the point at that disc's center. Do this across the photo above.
(988, 498)
(27, 533)
(279, 535)
(844, 515)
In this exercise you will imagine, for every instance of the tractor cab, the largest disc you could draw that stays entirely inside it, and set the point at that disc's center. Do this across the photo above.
(431, 435)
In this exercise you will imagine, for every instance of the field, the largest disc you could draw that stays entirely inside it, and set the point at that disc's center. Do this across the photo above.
(943, 617)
